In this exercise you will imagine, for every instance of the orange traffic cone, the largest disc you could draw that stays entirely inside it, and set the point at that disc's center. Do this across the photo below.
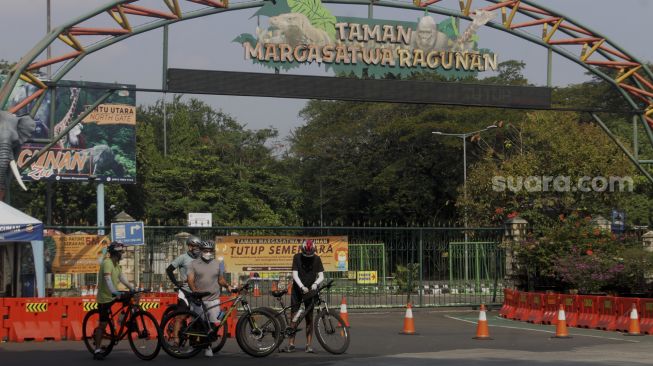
(633, 326)
(561, 324)
(482, 330)
(84, 291)
(274, 286)
(409, 322)
(160, 287)
(343, 312)
(290, 288)
(257, 291)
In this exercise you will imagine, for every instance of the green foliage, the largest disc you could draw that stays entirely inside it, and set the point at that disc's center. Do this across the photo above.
(572, 150)
(406, 277)
(319, 16)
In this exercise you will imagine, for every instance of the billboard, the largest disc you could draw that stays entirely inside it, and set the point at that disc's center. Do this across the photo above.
(101, 147)
(275, 253)
(76, 253)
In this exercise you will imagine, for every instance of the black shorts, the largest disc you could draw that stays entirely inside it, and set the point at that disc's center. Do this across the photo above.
(297, 297)
(105, 311)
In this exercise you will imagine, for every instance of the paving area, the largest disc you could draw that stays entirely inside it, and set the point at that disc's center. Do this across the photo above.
(444, 338)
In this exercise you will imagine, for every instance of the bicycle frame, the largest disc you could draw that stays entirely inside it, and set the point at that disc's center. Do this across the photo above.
(238, 299)
(128, 310)
(317, 302)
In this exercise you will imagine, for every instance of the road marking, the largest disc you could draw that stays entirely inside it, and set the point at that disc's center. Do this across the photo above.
(541, 330)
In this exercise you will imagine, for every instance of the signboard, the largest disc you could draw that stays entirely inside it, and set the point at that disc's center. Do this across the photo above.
(275, 253)
(366, 277)
(305, 31)
(78, 253)
(62, 281)
(101, 147)
(196, 219)
(129, 233)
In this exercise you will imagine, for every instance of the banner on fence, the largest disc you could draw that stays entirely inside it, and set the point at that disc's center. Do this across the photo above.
(275, 253)
(78, 253)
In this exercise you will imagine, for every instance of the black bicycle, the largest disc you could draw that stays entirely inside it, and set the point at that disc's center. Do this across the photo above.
(139, 326)
(330, 330)
(186, 333)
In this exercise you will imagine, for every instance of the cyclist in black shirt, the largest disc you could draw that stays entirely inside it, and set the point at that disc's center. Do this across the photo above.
(307, 273)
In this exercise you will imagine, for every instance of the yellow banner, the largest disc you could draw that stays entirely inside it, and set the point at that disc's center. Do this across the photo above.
(78, 253)
(366, 277)
(112, 114)
(275, 253)
(63, 281)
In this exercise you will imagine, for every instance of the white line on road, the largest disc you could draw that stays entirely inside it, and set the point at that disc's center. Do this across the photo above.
(540, 330)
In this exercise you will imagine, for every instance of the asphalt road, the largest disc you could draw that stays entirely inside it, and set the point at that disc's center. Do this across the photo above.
(444, 338)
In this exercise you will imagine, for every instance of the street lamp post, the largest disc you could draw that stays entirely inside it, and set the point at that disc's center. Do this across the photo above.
(464, 137)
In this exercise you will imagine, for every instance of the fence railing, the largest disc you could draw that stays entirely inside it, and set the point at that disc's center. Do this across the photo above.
(429, 266)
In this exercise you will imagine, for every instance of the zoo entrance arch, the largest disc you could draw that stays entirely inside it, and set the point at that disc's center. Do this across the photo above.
(521, 18)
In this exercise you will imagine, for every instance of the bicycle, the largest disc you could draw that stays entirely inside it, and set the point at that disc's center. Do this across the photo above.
(328, 324)
(196, 332)
(141, 328)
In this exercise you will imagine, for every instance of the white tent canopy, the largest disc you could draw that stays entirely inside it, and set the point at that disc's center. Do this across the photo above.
(17, 227)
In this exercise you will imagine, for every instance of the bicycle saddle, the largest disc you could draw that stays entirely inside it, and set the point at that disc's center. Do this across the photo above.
(279, 293)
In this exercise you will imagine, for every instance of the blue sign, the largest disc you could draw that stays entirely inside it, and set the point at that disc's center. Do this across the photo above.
(129, 233)
(21, 232)
(618, 221)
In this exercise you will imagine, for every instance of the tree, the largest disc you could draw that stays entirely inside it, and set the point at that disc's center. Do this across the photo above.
(545, 144)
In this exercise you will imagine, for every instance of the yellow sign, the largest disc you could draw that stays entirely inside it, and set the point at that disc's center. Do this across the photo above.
(78, 253)
(275, 253)
(88, 305)
(351, 275)
(36, 307)
(112, 114)
(62, 281)
(366, 277)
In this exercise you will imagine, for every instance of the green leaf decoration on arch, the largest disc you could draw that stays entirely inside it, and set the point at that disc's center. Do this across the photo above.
(319, 15)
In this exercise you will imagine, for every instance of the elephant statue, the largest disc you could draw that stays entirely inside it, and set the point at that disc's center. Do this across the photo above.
(14, 131)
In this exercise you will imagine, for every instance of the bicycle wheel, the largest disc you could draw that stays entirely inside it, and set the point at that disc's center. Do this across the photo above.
(257, 333)
(331, 332)
(181, 343)
(280, 318)
(90, 322)
(219, 338)
(144, 334)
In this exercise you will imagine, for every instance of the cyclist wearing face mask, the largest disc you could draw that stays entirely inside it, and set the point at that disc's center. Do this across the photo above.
(205, 274)
(182, 263)
(110, 274)
(307, 273)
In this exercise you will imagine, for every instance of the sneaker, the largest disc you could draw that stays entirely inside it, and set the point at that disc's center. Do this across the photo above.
(289, 349)
(208, 352)
(309, 349)
(98, 355)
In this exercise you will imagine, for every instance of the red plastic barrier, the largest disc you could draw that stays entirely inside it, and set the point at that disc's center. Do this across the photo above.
(570, 303)
(509, 306)
(588, 314)
(551, 308)
(536, 308)
(646, 316)
(607, 313)
(624, 307)
(34, 319)
(4, 312)
(522, 307)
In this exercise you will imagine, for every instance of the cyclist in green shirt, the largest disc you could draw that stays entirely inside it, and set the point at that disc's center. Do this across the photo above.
(110, 273)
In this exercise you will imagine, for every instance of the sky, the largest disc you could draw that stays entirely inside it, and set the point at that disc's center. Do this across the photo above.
(206, 43)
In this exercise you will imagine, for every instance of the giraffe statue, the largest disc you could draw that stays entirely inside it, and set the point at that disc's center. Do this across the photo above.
(65, 121)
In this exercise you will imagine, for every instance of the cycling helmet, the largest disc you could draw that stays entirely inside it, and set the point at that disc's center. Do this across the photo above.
(115, 247)
(308, 248)
(193, 240)
(207, 244)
